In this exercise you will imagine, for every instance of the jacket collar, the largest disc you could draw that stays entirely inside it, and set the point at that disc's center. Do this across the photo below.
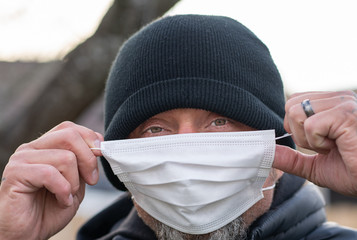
(294, 218)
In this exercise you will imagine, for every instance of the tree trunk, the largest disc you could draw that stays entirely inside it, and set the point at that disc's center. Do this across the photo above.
(79, 79)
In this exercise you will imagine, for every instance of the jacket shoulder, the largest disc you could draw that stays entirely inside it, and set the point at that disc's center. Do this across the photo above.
(332, 231)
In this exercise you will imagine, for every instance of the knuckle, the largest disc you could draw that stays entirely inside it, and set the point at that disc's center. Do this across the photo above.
(349, 93)
(309, 125)
(17, 156)
(66, 188)
(349, 106)
(288, 105)
(295, 113)
(347, 98)
(23, 146)
(68, 158)
(49, 172)
(88, 133)
(21, 155)
(350, 116)
(70, 133)
(10, 168)
(69, 136)
(66, 124)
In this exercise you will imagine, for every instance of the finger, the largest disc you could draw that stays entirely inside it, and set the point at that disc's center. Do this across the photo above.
(70, 139)
(90, 137)
(297, 98)
(294, 103)
(322, 129)
(295, 115)
(63, 160)
(98, 152)
(318, 104)
(291, 161)
(36, 176)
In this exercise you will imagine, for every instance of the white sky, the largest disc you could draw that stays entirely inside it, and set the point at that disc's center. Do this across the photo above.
(313, 42)
(46, 29)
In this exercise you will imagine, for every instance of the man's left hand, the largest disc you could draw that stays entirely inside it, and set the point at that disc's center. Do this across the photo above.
(331, 132)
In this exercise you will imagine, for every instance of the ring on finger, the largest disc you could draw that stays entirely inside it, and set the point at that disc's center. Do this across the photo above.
(306, 106)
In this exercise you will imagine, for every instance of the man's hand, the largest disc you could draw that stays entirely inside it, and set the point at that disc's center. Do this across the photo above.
(44, 182)
(331, 132)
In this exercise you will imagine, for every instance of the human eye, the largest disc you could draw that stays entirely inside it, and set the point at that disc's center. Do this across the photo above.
(219, 122)
(154, 129)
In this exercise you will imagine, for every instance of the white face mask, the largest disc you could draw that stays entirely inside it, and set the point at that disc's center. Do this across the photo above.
(195, 183)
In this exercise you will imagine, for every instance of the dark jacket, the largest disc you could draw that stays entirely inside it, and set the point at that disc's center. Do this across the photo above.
(301, 216)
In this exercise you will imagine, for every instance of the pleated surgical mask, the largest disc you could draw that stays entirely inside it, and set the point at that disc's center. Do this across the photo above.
(195, 183)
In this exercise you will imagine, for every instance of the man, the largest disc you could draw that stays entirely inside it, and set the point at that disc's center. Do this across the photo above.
(177, 77)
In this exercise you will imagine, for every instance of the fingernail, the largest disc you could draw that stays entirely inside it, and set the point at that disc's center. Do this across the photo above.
(97, 143)
(95, 175)
(70, 199)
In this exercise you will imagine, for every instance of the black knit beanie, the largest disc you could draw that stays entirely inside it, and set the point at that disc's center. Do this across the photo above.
(193, 61)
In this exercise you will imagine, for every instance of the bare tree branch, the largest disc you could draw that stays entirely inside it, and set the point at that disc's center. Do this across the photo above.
(80, 78)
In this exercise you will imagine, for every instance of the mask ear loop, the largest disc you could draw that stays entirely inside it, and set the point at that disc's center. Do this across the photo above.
(284, 136)
(268, 188)
(277, 138)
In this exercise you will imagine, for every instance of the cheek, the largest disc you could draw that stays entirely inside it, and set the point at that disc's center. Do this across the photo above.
(241, 127)
(229, 127)
(264, 204)
(259, 208)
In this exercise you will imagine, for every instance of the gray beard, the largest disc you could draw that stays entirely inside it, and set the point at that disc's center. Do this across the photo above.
(235, 230)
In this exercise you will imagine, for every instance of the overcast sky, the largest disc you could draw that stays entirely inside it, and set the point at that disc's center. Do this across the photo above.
(313, 42)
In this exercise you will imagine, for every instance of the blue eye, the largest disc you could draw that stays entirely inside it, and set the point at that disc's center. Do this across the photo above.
(219, 122)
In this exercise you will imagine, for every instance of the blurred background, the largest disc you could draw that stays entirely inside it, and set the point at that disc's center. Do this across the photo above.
(55, 56)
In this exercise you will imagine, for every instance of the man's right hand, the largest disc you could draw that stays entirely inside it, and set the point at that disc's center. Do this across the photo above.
(44, 182)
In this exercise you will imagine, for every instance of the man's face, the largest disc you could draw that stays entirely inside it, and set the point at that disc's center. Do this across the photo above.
(187, 120)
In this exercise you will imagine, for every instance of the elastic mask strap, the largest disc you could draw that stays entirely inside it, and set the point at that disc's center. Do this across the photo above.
(95, 148)
(284, 136)
(277, 138)
(268, 188)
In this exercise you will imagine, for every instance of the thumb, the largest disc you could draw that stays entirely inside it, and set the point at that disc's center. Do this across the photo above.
(294, 162)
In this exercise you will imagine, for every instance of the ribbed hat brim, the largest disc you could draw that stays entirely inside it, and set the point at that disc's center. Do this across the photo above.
(208, 94)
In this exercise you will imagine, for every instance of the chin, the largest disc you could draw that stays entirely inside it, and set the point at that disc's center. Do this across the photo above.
(237, 229)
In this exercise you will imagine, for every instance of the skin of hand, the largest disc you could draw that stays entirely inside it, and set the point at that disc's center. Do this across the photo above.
(44, 182)
(331, 132)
